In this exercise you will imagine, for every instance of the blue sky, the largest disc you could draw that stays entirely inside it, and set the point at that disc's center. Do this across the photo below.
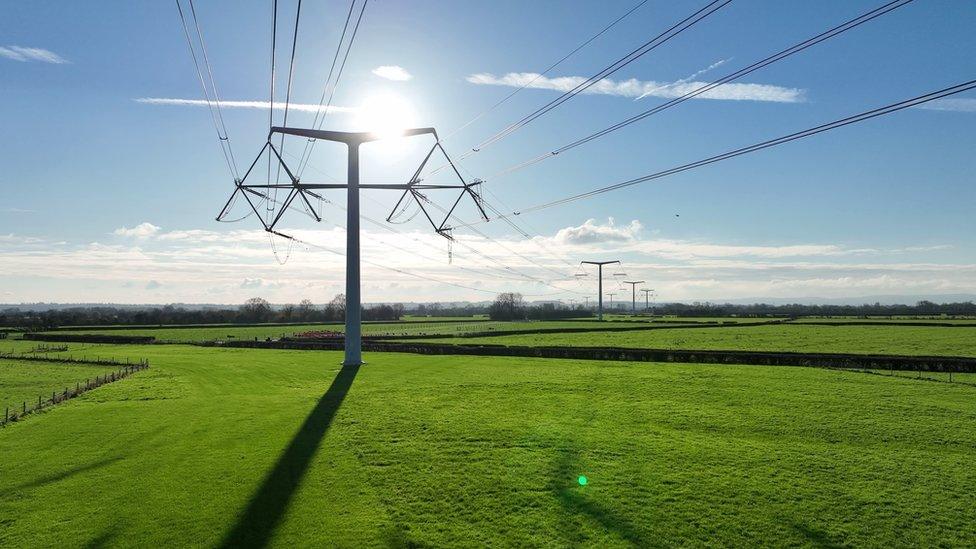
(109, 198)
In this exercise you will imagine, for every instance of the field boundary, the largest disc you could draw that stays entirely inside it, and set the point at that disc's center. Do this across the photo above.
(501, 333)
(126, 369)
(761, 358)
(97, 361)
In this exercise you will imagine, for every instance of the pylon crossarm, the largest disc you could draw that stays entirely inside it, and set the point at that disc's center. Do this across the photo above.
(230, 201)
(308, 204)
(420, 199)
(347, 137)
(257, 213)
(294, 180)
(450, 212)
(284, 206)
(478, 199)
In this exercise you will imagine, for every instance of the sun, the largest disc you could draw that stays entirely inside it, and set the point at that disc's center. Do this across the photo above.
(386, 115)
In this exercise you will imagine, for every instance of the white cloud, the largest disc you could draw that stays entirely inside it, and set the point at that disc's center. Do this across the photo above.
(591, 232)
(25, 55)
(279, 105)
(142, 230)
(639, 88)
(255, 283)
(955, 104)
(204, 265)
(393, 72)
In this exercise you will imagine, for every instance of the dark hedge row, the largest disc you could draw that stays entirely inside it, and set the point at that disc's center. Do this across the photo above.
(823, 360)
(90, 338)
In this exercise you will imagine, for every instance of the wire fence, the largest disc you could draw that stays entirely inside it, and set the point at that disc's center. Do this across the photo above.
(125, 370)
(97, 360)
(943, 376)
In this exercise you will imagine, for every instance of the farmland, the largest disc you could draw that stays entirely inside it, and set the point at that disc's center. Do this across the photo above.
(882, 339)
(192, 334)
(216, 446)
(24, 381)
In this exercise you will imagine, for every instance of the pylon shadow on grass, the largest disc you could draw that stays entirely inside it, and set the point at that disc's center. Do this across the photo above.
(574, 500)
(57, 477)
(267, 506)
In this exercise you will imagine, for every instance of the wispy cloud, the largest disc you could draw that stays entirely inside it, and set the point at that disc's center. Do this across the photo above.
(639, 88)
(690, 78)
(955, 104)
(393, 72)
(198, 265)
(18, 210)
(302, 107)
(26, 55)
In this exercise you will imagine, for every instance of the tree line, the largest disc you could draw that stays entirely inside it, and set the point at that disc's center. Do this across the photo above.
(254, 311)
(507, 306)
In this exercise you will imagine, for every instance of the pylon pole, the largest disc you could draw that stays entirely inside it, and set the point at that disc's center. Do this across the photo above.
(633, 294)
(647, 292)
(599, 294)
(297, 189)
(353, 337)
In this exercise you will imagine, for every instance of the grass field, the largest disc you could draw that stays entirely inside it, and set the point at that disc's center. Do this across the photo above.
(218, 446)
(896, 320)
(23, 381)
(385, 328)
(898, 340)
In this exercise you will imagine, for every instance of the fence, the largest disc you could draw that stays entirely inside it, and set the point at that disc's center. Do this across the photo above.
(127, 369)
(98, 360)
(89, 338)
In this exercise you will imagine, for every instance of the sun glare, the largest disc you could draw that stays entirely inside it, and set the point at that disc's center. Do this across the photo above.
(386, 115)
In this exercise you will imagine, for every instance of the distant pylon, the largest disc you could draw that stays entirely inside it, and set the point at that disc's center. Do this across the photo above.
(633, 294)
(599, 292)
(646, 291)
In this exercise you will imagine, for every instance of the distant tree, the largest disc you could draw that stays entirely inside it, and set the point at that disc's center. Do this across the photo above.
(507, 306)
(306, 310)
(256, 309)
(288, 313)
(336, 309)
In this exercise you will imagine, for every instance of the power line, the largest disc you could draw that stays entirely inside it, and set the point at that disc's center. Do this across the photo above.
(796, 48)
(546, 71)
(427, 278)
(345, 57)
(648, 46)
(328, 79)
(215, 113)
(860, 117)
(506, 270)
(291, 71)
(274, 42)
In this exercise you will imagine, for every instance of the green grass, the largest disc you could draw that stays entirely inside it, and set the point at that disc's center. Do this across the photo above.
(23, 381)
(897, 340)
(414, 327)
(885, 319)
(486, 451)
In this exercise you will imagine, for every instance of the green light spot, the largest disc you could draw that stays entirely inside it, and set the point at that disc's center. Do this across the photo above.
(582, 480)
